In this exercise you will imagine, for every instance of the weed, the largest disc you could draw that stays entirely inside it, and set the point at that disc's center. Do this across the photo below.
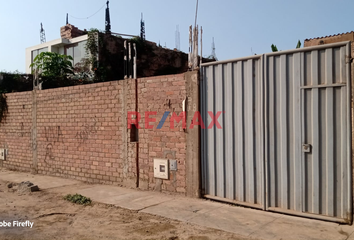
(78, 199)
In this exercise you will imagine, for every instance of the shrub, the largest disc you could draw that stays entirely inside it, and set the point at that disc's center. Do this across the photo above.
(51, 64)
(78, 199)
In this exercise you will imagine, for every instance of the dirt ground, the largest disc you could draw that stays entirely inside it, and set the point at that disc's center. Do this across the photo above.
(56, 218)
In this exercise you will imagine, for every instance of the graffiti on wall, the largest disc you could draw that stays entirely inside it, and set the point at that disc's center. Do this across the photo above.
(49, 153)
(53, 137)
(87, 129)
(53, 134)
(18, 131)
(24, 132)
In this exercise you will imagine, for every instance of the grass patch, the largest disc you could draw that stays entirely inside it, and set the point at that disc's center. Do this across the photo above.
(78, 199)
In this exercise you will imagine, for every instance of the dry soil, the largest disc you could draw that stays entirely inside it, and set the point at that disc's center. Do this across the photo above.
(56, 218)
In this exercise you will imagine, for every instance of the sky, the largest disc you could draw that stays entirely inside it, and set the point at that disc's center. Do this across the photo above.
(240, 28)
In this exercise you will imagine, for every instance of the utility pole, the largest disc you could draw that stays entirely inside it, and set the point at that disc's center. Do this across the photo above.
(178, 39)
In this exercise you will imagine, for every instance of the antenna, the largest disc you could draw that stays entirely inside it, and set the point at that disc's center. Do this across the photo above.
(213, 54)
(43, 40)
(108, 20)
(178, 39)
(67, 19)
(142, 28)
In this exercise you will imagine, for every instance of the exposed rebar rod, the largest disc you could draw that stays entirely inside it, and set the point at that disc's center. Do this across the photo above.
(196, 15)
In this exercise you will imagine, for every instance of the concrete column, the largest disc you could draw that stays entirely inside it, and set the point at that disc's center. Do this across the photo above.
(34, 133)
(124, 130)
(193, 165)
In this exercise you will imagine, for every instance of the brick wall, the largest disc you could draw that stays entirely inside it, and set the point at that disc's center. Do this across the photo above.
(15, 132)
(329, 39)
(78, 132)
(70, 31)
(161, 94)
(81, 132)
(151, 59)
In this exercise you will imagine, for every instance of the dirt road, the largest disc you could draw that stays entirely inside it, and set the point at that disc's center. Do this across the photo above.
(56, 218)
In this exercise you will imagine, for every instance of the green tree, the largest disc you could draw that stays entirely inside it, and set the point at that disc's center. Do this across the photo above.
(274, 48)
(52, 65)
(298, 44)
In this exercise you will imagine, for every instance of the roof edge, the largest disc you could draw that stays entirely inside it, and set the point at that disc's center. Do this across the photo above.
(334, 35)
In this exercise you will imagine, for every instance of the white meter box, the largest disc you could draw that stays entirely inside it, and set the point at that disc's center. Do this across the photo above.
(2, 154)
(161, 168)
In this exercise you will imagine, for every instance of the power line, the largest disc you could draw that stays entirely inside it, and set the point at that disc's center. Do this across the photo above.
(90, 15)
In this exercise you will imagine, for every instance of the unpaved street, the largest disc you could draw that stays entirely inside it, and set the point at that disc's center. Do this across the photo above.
(55, 218)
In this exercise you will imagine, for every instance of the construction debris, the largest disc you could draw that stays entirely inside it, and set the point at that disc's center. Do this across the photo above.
(23, 187)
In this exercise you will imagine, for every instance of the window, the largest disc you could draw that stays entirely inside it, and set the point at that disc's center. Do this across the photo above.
(38, 51)
(134, 133)
(77, 51)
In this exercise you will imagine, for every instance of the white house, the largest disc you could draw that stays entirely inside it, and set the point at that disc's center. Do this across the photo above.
(74, 47)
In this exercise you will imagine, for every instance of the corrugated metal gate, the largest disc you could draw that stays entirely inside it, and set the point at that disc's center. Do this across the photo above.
(285, 139)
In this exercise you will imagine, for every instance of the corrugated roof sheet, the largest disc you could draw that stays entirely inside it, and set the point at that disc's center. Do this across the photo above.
(308, 39)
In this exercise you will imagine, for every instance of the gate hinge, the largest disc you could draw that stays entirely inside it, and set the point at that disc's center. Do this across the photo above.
(348, 59)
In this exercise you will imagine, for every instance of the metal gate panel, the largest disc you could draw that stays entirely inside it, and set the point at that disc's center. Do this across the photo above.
(307, 132)
(232, 157)
(283, 138)
(325, 94)
(285, 142)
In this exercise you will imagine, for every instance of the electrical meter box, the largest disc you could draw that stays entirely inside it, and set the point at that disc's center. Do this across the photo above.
(161, 168)
(2, 154)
